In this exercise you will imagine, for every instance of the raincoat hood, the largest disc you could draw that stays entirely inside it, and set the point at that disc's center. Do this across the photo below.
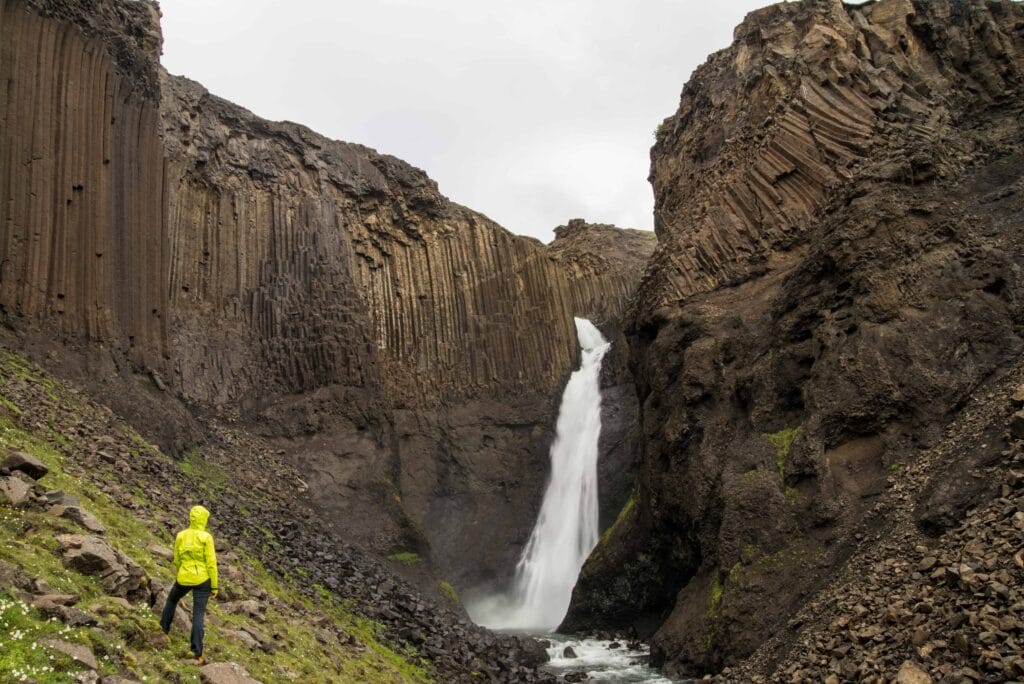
(198, 517)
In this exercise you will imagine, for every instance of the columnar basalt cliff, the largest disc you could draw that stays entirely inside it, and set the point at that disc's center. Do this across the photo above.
(81, 174)
(840, 242)
(404, 352)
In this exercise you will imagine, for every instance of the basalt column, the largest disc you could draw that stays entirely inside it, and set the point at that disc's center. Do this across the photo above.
(82, 251)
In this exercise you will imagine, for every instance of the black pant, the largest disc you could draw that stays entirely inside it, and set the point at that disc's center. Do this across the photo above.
(200, 595)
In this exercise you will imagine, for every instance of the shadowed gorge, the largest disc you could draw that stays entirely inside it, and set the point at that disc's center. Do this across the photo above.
(810, 458)
(205, 271)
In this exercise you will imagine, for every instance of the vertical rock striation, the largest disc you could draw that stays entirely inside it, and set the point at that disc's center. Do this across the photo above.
(405, 351)
(840, 246)
(82, 249)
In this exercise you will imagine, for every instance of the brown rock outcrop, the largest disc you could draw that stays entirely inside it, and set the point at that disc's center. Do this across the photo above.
(82, 167)
(406, 352)
(838, 206)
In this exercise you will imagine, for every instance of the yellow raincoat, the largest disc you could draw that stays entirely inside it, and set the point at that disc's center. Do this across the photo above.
(194, 555)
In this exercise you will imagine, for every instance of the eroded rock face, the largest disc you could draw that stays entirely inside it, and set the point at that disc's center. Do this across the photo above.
(404, 351)
(840, 231)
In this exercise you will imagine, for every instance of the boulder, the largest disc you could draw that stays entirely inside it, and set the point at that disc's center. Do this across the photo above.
(26, 463)
(59, 498)
(160, 551)
(120, 575)
(14, 492)
(80, 654)
(12, 575)
(80, 516)
(253, 609)
(911, 673)
(244, 638)
(226, 673)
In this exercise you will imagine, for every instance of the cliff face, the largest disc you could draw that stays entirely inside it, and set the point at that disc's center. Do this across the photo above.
(406, 353)
(423, 346)
(81, 176)
(840, 242)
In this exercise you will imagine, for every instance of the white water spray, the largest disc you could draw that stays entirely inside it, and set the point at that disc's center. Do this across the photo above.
(566, 530)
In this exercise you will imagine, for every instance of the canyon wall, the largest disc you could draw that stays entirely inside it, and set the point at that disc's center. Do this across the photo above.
(841, 235)
(207, 266)
(81, 249)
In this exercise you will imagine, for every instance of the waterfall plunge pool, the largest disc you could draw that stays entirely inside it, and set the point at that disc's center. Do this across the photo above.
(564, 535)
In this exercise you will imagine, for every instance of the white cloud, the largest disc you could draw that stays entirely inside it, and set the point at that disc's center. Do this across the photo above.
(532, 112)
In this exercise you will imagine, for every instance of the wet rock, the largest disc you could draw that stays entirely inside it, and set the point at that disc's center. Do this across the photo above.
(569, 652)
(25, 463)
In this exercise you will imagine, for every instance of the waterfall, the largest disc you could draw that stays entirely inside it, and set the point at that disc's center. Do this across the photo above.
(566, 530)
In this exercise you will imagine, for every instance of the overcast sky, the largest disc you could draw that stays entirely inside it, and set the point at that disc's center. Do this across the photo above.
(531, 112)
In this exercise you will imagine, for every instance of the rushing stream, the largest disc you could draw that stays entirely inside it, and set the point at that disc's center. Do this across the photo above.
(601, 662)
(564, 535)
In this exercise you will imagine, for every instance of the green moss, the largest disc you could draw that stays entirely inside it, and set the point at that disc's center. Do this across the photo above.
(715, 598)
(208, 476)
(408, 558)
(782, 442)
(627, 508)
(713, 613)
(128, 639)
(792, 496)
(448, 590)
(10, 405)
(22, 655)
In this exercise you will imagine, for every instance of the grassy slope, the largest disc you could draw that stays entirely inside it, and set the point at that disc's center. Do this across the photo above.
(321, 641)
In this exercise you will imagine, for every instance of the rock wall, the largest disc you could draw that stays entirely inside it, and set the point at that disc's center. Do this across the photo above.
(406, 353)
(81, 247)
(839, 260)
(308, 266)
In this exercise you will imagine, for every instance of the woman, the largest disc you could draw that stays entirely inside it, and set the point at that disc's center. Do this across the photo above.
(196, 562)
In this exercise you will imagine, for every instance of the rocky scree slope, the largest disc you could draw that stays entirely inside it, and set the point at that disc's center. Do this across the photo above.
(309, 603)
(839, 213)
(910, 606)
(404, 352)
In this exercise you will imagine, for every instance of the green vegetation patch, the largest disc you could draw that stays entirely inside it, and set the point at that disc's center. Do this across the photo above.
(407, 558)
(782, 442)
(210, 477)
(448, 590)
(23, 657)
(128, 638)
(627, 508)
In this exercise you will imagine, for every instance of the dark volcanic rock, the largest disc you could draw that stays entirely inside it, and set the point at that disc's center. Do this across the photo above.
(190, 262)
(26, 463)
(839, 213)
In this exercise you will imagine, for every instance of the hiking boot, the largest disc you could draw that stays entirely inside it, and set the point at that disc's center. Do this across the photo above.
(200, 661)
